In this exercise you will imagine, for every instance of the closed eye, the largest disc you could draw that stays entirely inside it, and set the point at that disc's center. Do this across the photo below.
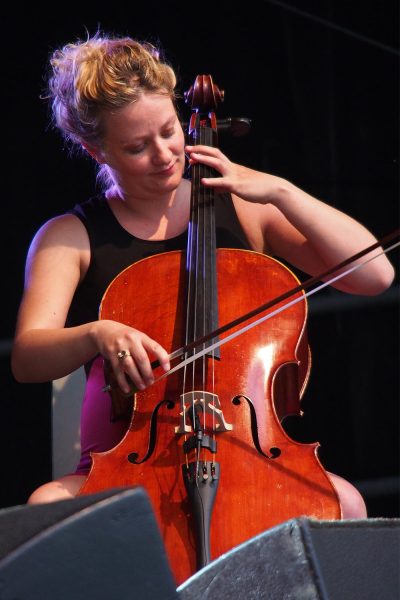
(169, 133)
(136, 149)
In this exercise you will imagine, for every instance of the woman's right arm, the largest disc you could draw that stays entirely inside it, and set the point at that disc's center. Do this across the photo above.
(44, 349)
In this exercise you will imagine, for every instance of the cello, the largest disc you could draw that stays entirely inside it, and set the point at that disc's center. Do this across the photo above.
(207, 442)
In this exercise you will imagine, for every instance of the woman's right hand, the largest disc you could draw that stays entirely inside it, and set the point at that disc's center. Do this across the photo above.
(128, 351)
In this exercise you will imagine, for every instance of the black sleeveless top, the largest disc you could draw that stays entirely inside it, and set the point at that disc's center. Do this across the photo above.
(112, 249)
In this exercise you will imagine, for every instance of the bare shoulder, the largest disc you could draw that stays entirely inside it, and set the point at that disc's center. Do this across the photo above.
(63, 229)
(57, 260)
(63, 237)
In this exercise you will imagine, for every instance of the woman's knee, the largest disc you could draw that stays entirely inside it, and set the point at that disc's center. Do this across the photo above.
(352, 503)
(64, 488)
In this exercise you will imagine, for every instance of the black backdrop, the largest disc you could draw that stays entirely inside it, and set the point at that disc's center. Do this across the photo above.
(321, 88)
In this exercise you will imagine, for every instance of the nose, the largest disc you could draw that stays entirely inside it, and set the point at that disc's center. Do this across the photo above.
(161, 153)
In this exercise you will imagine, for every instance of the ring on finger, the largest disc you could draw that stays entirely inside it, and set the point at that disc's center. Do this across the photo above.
(122, 354)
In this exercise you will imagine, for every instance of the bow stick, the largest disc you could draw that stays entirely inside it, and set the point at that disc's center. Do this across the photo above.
(300, 288)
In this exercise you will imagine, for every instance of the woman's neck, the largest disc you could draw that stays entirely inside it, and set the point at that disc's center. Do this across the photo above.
(152, 219)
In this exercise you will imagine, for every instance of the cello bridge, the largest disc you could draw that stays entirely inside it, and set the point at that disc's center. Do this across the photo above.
(192, 403)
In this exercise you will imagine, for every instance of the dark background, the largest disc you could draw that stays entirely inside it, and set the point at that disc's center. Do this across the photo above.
(321, 89)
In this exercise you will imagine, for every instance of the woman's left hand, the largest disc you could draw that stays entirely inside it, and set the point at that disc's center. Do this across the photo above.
(246, 183)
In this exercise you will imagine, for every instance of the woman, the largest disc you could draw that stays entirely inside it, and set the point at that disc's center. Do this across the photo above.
(115, 98)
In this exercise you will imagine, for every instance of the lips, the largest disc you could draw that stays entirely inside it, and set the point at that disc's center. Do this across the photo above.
(167, 171)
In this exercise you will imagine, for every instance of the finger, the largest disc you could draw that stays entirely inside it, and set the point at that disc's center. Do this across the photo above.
(218, 183)
(138, 368)
(134, 364)
(202, 149)
(134, 376)
(211, 161)
(206, 152)
(124, 365)
(160, 353)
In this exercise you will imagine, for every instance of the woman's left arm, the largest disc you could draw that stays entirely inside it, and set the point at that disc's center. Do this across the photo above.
(308, 233)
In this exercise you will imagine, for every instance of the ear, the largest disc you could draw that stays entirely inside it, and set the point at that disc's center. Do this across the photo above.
(95, 153)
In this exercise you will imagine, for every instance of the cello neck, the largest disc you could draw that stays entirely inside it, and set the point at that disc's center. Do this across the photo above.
(202, 297)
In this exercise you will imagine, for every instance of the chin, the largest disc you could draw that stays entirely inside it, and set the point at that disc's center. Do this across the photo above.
(172, 182)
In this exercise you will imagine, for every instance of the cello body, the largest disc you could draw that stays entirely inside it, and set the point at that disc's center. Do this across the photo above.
(241, 474)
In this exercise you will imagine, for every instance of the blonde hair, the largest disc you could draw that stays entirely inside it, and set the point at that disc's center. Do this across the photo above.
(102, 73)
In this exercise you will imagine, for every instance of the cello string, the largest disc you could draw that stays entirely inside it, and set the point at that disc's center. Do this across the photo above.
(213, 291)
(232, 336)
(212, 271)
(189, 286)
(189, 267)
(196, 172)
(203, 194)
(191, 293)
(216, 308)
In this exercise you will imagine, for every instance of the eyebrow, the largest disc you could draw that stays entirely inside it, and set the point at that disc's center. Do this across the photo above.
(168, 123)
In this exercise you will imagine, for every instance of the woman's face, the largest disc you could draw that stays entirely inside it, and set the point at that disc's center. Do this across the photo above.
(144, 147)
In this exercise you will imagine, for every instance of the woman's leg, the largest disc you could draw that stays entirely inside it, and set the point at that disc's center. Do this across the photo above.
(353, 505)
(98, 434)
(64, 488)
